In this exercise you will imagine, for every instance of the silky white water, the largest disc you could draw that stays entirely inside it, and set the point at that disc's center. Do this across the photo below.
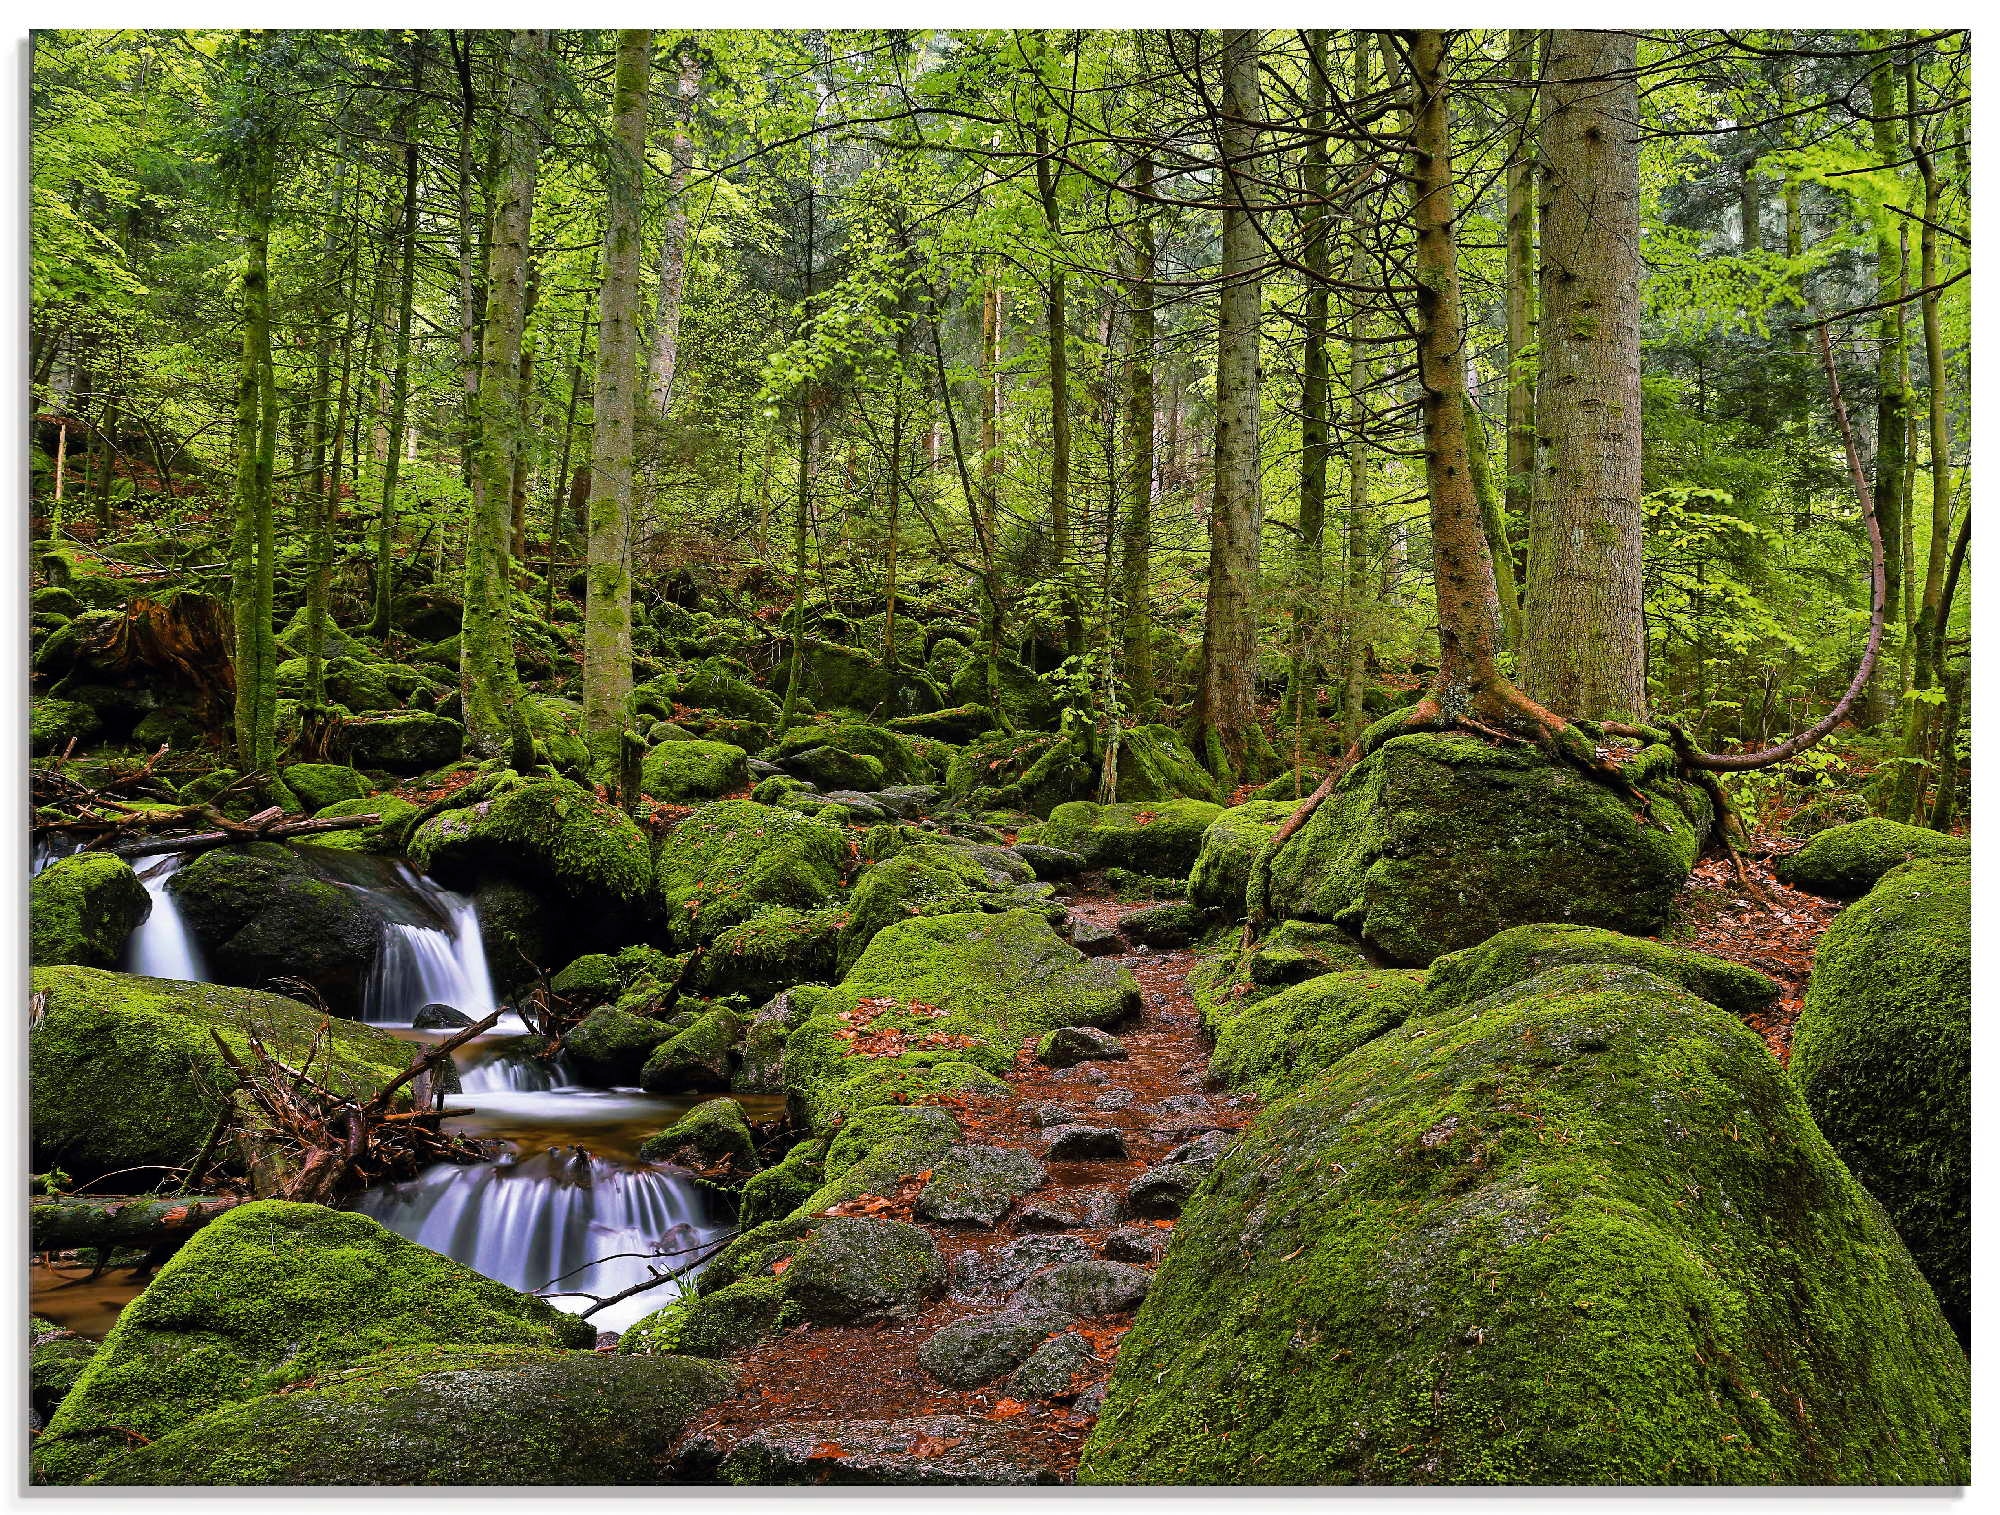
(161, 946)
(440, 960)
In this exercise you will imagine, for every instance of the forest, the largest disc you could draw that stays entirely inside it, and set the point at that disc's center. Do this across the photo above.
(999, 757)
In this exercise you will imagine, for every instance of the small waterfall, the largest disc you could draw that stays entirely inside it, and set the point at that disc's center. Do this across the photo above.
(425, 963)
(161, 946)
(46, 849)
(513, 1075)
(556, 1221)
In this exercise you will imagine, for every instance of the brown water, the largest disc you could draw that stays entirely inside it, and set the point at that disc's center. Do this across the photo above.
(89, 1309)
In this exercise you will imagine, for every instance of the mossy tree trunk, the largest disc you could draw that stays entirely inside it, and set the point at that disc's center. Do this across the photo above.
(1520, 278)
(1315, 433)
(673, 246)
(1136, 522)
(1056, 315)
(399, 372)
(1585, 651)
(1223, 728)
(607, 616)
(489, 682)
(1892, 379)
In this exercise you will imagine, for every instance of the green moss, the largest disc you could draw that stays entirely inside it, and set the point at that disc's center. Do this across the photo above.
(1299, 950)
(850, 1270)
(446, 1415)
(1277, 1043)
(784, 1186)
(903, 759)
(549, 834)
(592, 979)
(557, 727)
(733, 1319)
(699, 1059)
(1520, 953)
(388, 835)
(926, 879)
(1434, 842)
(773, 950)
(714, 1130)
(677, 772)
(1883, 1053)
(729, 860)
(53, 723)
(1846, 861)
(1221, 869)
(319, 785)
(268, 1297)
(406, 741)
(123, 1072)
(1831, 808)
(56, 1359)
(1580, 1232)
(82, 908)
(1160, 838)
(611, 1045)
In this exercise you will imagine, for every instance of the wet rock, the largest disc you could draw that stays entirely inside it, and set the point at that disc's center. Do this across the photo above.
(1047, 1115)
(1093, 1075)
(1052, 1371)
(439, 1018)
(861, 809)
(1117, 1099)
(1161, 1191)
(852, 1270)
(1084, 1290)
(611, 1046)
(713, 1134)
(1135, 1244)
(1181, 1104)
(974, 1185)
(999, 1271)
(82, 908)
(1168, 926)
(1094, 940)
(1046, 1218)
(1050, 862)
(1085, 1144)
(907, 801)
(983, 1348)
(1202, 1152)
(1068, 1045)
(931, 1450)
(732, 1319)
(701, 1059)
(761, 769)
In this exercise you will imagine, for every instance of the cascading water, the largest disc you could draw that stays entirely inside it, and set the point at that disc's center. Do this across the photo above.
(435, 955)
(560, 1220)
(161, 946)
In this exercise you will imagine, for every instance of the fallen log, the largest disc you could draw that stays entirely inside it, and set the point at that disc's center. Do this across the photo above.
(201, 841)
(63, 1223)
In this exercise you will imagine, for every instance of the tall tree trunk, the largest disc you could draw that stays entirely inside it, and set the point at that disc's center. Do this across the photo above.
(468, 274)
(808, 435)
(496, 726)
(252, 546)
(1309, 592)
(988, 505)
(1585, 651)
(673, 249)
(1892, 384)
(1223, 724)
(526, 437)
(1136, 536)
(1056, 313)
(399, 373)
(1520, 276)
(607, 612)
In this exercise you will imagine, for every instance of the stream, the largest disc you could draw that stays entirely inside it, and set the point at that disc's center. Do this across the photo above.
(568, 1207)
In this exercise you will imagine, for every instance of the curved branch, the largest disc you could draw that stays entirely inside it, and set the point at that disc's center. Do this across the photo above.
(1741, 762)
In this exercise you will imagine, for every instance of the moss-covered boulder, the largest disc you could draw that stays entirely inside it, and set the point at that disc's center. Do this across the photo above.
(975, 1185)
(319, 785)
(262, 913)
(1883, 1052)
(554, 837)
(56, 1359)
(1522, 952)
(903, 759)
(679, 772)
(784, 1186)
(1295, 951)
(1274, 1044)
(612, 1046)
(960, 723)
(773, 950)
(1231, 843)
(1160, 838)
(1583, 1231)
(405, 741)
(1435, 842)
(82, 908)
(1847, 861)
(851, 1270)
(388, 834)
(123, 1072)
(730, 860)
(53, 723)
(732, 1319)
(1017, 692)
(699, 1060)
(938, 994)
(446, 1415)
(269, 1297)
(927, 879)
(1830, 808)
(713, 1134)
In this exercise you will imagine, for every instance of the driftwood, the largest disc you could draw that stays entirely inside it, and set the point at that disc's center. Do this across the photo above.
(65, 1222)
(201, 841)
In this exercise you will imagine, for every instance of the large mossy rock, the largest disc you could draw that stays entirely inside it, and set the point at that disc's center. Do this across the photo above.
(269, 1297)
(1161, 839)
(1435, 842)
(710, 1325)
(1847, 861)
(851, 1270)
(1522, 952)
(123, 1072)
(928, 879)
(680, 772)
(319, 785)
(554, 837)
(730, 860)
(773, 950)
(1221, 871)
(1883, 1051)
(903, 759)
(262, 913)
(451, 1416)
(1583, 1231)
(82, 908)
(935, 1000)
(1275, 1044)
(404, 741)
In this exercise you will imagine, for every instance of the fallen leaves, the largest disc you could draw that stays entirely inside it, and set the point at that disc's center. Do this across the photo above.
(826, 1451)
(1007, 1409)
(923, 1445)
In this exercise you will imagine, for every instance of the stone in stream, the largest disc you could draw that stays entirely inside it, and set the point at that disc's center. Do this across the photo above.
(1169, 926)
(851, 1270)
(1084, 1144)
(975, 1185)
(713, 1134)
(82, 908)
(1084, 1290)
(1067, 1046)
(1046, 1218)
(983, 1348)
(439, 1018)
(928, 1450)
(702, 1059)
(1052, 1371)
(1160, 1192)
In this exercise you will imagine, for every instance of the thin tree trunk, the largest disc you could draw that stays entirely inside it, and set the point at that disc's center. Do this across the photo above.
(1892, 385)
(607, 616)
(1520, 275)
(468, 287)
(1585, 652)
(399, 373)
(488, 679)
(673, 249)
(1223, 723)
(1136, 542)
(1056, 313)
(989, 483)
(1309, 593)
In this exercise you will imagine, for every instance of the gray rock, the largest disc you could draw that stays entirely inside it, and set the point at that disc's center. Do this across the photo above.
(974, 1185)
(1046, 1218)
(1083, 1144)
(1053, 1370)
(982, 1348)
(851, 1270)
(761, 769)
(1168, 926)
(1050, 862)
(1093, 940)
(926, 1450)
(1160, 1192)
(1067, 1046)
(439, 1018)
(1000, 1271)
(1084, 1290)
(1117, 1099)
(1203, 1151)
(1046, 1116)
(1135, 1244)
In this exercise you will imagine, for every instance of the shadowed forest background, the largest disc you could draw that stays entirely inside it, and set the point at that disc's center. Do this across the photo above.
(779, 587)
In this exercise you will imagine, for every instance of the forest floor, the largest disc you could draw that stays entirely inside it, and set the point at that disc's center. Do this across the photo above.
(828, 1389)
